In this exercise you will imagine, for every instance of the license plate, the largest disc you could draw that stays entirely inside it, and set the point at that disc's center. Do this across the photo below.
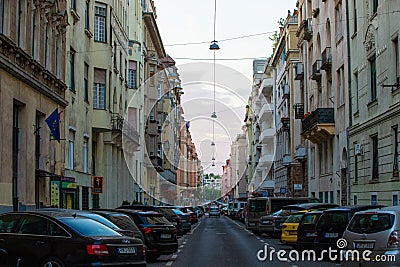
(364, 245)
(252, 224)
(266, 222)
(331, 235)
(310, 234)
(184, 220)
(174, 223)
(127, 250)
(293, 232)
(165, 236)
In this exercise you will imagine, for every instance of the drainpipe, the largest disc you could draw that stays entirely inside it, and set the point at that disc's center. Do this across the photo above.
(350, 104)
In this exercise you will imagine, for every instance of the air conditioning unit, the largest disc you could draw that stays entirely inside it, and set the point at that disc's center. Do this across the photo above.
(357, 150)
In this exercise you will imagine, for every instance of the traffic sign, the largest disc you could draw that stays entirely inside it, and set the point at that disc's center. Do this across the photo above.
(97, 184)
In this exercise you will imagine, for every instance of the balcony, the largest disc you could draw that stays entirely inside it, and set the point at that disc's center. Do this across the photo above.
(286, 160)
(121, 126)
(316, 70)
(304, 32)
(326, 63)
(266, 87)
(267, 135)
(286, 91)
(319, 125)
(265, 112)
(298, 71)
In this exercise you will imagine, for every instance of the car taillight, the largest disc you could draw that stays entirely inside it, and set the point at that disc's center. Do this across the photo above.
(144, 250)
(393, 241)
(97, 250)
(146, 231)
(284, 226)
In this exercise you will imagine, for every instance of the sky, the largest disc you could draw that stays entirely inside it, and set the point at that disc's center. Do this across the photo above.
(192, 21)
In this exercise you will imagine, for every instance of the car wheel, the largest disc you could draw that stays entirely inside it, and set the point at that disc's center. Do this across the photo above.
(52, 262)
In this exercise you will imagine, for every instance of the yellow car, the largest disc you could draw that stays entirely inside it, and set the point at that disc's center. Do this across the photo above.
(289, 227)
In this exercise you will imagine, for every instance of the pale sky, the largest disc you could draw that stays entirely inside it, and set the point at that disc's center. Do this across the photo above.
(192, 21)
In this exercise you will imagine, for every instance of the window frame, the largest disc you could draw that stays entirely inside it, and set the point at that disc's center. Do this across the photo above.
(373, 79)
(100, 35)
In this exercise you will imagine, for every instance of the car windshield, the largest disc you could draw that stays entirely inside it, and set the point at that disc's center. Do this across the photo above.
(89, 227)
(333, 218)
(214, 209)
(167, 211)
(155, 219)
(310, 219)
(294, 218)
(257, 205)
(371, 223)
(124, 222)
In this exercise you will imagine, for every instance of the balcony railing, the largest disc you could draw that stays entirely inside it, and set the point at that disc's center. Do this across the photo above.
(286, 91)
(304, 32)
(316, 70)
(299, 71)
(326, 63)
(119, 124)
(318, 116)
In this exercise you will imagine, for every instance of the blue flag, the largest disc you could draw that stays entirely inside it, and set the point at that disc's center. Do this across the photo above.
(187, 124)
(54, 124)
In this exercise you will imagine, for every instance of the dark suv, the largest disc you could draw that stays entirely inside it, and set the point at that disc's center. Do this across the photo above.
(159, 234)
(174, 219)
(332, 224)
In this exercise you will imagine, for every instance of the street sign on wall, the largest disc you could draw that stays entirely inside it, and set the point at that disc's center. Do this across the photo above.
(97, 184)
(298, 187)
(282, 190)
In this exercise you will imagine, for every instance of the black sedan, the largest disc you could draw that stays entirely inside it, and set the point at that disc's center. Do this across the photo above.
(45, 238)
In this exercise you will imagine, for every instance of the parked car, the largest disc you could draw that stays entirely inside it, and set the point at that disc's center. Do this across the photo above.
(272, 224)
(332, 224)
(96, 217)
(185, 219)
(377, 231)
(192, 214)
(123, 221)
(159, 234)
(214, 212)
(50, 238)
(306, 230)
(174, 219)
(289, 228)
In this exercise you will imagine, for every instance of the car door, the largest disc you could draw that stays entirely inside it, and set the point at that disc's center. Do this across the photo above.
(33, 239)
(8, 245)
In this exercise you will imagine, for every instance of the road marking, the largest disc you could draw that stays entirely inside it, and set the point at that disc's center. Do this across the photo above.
(181, 246)
(179, 250)
(174, 256)
(169, 263)
(184, 242)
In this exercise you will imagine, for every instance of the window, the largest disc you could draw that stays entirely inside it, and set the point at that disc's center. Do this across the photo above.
(339, 18)
(115, 55)
(395, 200)
(374, 199)
(396, 58)
(326, 197)
(85, 154)
(395, 153)
(72, 69)
(356, 91)
(99, 89)
(340, 86)
(47, 46)
(86, 83)
(375, 170)
(355, 15)
(132, 74)
(331, 200)
(2, 15)
(375, 4)
(87, 20)
(71, 148)
(100, 17)
(372, 68)
(355, 200)
(38, 139)
(355, 167)
(159, 91)
(16, 148)
(85, 198)
(20, 22)
(34, 41)
(73, 4)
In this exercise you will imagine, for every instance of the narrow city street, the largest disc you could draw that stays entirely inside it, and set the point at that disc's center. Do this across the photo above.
(224, 242)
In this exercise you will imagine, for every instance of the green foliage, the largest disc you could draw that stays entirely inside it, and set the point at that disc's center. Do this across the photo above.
(275, 39)
(125, 202)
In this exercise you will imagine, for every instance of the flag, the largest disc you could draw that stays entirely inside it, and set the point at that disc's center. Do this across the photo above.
(187, 124)
(53, 122)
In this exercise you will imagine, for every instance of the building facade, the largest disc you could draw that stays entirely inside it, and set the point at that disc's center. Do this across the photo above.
(32, 88)
(375, 102)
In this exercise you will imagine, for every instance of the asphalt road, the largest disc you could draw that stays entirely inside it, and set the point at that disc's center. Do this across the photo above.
(220, 242)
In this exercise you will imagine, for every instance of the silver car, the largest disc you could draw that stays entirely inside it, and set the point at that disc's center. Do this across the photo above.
(374, 230)
(214, 211)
